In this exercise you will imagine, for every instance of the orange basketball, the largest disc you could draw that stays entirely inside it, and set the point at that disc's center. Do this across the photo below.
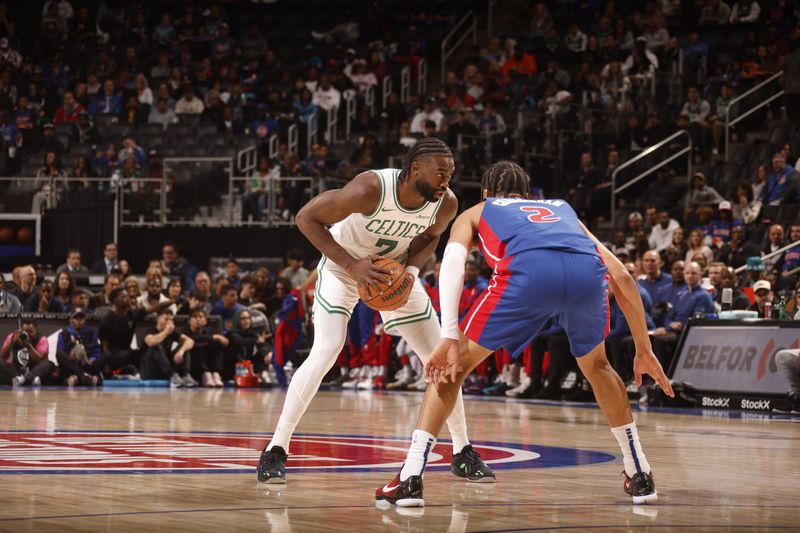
(388, 297)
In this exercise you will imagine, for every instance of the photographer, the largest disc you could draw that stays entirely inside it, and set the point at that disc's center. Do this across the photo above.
(165, 355)
(27, 352)
(78, 351)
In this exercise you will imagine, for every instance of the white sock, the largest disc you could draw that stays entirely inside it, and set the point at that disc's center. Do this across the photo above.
(632, 454)
(422, 443)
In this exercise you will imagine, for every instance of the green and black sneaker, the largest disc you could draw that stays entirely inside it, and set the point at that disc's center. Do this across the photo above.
(468, 464)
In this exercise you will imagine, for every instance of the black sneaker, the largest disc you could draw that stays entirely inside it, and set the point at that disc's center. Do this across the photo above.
(272, 466)
(641, 487)
(792, 405)
(468, 464)
(406, 493)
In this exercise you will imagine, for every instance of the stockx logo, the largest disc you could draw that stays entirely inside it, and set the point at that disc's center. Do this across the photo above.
(766, 356)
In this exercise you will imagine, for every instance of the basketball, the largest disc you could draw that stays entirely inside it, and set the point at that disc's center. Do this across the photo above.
(388, 297)
(25, 235)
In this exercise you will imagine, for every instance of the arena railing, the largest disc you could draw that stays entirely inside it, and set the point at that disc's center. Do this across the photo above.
(183, 191)
(729, 123)
(349, 112)
(311, 134)
(468, 25)
(776, 253)
(292, 136)
(422, 77)
(405, 86)
(332, 126)
(650, 150)
(490, 16)
(298, 190)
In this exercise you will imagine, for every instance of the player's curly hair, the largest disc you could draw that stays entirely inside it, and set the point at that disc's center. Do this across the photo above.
(422, 148)
(506, 178)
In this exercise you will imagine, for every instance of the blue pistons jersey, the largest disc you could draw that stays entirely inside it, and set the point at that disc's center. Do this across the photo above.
(545, 266)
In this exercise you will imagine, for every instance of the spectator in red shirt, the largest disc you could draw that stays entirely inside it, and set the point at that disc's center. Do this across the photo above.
(521, 64)
(69, 111)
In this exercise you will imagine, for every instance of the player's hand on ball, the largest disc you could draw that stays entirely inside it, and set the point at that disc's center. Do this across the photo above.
(443, 364)
(365, 273)
(645, 362)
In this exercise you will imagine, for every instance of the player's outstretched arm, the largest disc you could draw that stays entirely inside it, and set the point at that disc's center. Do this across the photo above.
(627, 295)
(443, 362)
(361, 195)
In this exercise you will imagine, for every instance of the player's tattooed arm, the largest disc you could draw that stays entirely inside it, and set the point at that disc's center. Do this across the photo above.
(361, 195)
(424, 244)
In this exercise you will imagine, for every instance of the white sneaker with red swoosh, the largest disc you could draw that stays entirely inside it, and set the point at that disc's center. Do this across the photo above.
(406, 493)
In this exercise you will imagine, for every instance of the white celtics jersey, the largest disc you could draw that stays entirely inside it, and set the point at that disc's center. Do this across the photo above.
(390, 228)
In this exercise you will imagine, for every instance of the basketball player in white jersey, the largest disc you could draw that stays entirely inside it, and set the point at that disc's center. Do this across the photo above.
(395, 213)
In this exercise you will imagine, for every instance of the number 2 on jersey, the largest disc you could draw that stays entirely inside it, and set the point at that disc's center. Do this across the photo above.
(539, 214)
(388, 243)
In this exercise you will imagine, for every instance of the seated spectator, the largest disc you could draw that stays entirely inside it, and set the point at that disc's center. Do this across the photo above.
(162, 114)
(662, 232)
(294, 271)
(722, 225)
(430, 112)
(522, 65)
(227, 306)
(24, 284)
(166, 353)
(83, 131)
(247, 344)
(51, 170)
(745, 207)
(775, 242)
(717, 118)
(43, 301)
(654, 279)
(700, 195)
(68, 112)
(326, 96)
(304, 106)
(369, 154)
(9, 304)
(173, 264)
(247, 294)
(23, 356)
(130, 148)
(78, 352)
(697, 246)
(666, 296)
(108, 263)
(791, 258)
(63, 288)
(232, 274)
(153, 300)
(762, 291)
(656, 34)
(103, 298)
(73, 263)
(174, 293)
(736, 251)
(690, 300)
(582, 186)
(782, 182)
(699, 111)
(207, 352)
(727, 280)
(254, 199)
(189, 104)
(108, 102)
(715, 13)
(195, 300)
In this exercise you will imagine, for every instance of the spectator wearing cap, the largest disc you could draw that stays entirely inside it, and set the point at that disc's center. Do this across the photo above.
(68, 112)
(189, 103)
(775, 242)
(49, 142)
(762, 292)
(429, 112)
(721, 226)
(24, 360)
(654, 279)
(690, 300)
(782, 182)
(83, 131)
(9, 304)
(108, 101)
(78, 351)
(130, 148)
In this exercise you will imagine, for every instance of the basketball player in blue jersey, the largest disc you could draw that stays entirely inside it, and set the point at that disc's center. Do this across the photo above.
(393, 213)
(546, 264)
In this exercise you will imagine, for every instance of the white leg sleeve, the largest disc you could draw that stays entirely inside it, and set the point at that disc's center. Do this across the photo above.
(422, 337)
(330, 332)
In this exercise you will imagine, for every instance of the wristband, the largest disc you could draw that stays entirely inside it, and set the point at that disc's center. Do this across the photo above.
(413, 270)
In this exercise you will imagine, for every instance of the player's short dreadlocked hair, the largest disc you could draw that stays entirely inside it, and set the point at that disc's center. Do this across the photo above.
(505, 178)
(424, 147)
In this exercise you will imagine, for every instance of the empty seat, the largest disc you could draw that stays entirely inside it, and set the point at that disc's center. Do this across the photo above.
(179, 130)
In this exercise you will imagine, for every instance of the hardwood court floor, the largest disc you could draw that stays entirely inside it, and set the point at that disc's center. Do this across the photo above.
(160, 460)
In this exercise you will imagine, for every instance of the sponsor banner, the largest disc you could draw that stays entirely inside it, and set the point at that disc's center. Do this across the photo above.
(93, 452)
(744, 403)
(734, 358)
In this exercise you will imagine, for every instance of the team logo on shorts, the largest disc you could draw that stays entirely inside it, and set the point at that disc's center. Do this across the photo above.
(91, 452)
